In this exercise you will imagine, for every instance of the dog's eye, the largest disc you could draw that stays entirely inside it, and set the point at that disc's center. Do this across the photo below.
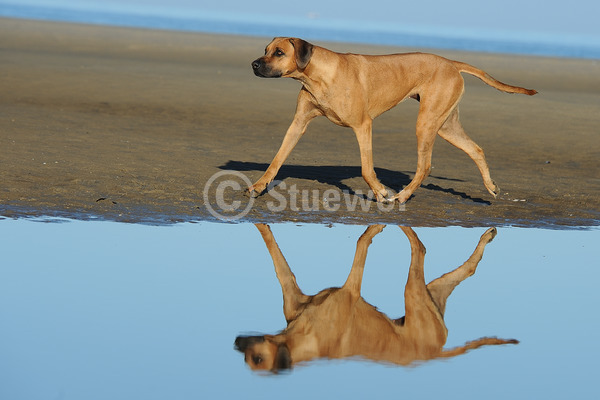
(257, 359)
(279, 53)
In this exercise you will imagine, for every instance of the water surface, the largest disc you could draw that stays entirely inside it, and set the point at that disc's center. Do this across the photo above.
(533, 27)
(101, 310)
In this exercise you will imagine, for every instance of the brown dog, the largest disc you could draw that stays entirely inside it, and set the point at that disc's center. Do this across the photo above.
(351, 90)
(339, 323)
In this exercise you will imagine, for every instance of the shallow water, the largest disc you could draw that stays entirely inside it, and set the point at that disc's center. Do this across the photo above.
(556, 30)
(100, 310)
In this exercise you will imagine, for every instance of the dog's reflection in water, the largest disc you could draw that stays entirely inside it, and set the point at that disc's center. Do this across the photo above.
(338, 323)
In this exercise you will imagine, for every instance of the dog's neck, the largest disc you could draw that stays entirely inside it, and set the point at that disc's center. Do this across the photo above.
(303, 348)
(317, 77)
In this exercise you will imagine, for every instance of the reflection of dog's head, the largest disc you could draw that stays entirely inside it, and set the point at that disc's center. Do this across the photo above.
(263, 353)
(283, 56)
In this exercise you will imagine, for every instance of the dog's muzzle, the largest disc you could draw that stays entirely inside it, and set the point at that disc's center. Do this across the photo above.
(260, 68)
(243, 342)
(257, 66)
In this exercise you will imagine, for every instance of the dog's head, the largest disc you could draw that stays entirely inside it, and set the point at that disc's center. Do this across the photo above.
(264, 353)
(283, 57)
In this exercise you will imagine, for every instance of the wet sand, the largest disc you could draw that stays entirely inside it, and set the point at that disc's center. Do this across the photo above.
(129, 125)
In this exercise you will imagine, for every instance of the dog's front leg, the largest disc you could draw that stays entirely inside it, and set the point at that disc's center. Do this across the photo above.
(293, 297)
(305, 112)
(354, 280)
(364, 136)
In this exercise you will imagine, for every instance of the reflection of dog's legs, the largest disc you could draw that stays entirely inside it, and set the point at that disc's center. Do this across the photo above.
(293, 297)
(354, 280)
(443, 286)
(416, 297)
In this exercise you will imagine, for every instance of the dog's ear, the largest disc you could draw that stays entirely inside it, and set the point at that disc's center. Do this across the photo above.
(303, 51)
(283, 359)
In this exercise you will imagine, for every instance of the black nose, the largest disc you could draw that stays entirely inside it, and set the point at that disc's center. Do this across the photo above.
(255, 64)
(243, 342)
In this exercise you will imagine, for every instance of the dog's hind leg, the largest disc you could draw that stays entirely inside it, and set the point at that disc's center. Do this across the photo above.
(453, 132)
(426, 133)
(422, 319)
(293, 297)
(415, 293)
(434, 109)
(436, 105)
(443, 286)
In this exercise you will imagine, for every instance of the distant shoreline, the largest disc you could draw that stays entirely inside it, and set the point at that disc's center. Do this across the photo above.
(326, 30)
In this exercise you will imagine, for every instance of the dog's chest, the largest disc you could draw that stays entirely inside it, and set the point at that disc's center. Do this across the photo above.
(338, 104)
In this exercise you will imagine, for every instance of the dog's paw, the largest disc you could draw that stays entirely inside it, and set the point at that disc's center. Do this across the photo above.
(370, 233)
(494, 190)
(373, 230)
(383, 199)
(253, 191)
(401, 197)
(382, 196)
(489, 235)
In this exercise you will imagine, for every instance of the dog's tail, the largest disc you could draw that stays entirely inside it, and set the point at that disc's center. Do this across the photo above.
(475, 344)
(469, 69)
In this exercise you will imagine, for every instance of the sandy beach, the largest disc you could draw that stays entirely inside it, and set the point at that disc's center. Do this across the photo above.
(130, 124)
